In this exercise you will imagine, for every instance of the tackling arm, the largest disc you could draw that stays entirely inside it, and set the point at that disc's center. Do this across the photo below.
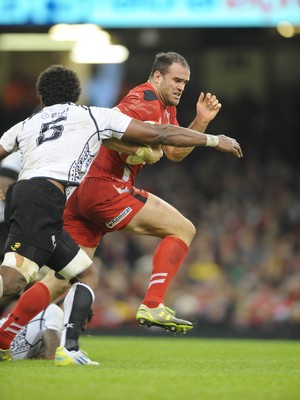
(172, 135)
(149, 155)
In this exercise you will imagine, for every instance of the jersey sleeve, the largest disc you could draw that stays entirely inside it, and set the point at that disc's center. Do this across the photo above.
(9, 138)
(110, 123)
(54, 318)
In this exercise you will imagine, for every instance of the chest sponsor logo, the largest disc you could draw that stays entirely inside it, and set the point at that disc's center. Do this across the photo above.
(119, 218)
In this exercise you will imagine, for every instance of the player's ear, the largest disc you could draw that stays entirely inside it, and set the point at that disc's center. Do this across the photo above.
(157, 76)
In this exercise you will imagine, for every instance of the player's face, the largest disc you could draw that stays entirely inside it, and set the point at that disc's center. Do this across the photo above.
(171, 85)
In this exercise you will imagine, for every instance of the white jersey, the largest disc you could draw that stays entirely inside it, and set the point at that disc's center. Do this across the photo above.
(60, 141)
(28, 343)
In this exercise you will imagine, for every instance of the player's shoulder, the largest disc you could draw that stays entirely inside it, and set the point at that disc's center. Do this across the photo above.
(144, 91)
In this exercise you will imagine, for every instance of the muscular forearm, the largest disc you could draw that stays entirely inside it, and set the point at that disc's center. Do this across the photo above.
(187, 137)
(177, 154)
(121, 146)
(51, 340)
(147, 154)
(198, 125)
(172, 135)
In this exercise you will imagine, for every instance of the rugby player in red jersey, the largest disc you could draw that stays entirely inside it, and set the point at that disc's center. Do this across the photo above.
(107, 199)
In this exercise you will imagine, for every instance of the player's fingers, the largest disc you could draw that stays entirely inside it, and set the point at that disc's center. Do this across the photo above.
(233, 146)
(214, 105)
(236, 148)
(201, 97)
(238, 152)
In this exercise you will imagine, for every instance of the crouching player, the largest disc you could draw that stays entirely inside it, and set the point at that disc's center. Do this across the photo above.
(40, 337)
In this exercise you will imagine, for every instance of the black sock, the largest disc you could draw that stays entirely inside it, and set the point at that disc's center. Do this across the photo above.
(77, 305)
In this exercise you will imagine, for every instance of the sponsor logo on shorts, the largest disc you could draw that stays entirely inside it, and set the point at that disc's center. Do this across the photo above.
(119, 218)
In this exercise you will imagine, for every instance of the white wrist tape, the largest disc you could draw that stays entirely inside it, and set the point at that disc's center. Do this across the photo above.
(212, 141)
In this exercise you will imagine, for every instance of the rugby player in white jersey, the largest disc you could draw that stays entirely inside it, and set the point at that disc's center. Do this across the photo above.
(40, 337)
(57, 145)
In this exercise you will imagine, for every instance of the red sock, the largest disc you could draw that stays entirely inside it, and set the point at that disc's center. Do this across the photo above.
(32, 302)
(167, 259)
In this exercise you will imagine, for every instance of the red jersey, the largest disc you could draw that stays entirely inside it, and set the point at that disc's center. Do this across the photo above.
(141, 103)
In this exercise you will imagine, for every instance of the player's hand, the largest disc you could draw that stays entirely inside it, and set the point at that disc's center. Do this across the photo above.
(207, 107)
(229, 145)
(145, 154)
(154, 155)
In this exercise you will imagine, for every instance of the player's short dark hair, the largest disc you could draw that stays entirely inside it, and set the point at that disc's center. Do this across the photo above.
(58, 84)
(163, 61)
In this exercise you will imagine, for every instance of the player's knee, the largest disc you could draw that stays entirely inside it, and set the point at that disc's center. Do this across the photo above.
(22, 265)
(185, 231)
(191, 230)
(12, 282)
(90, 277)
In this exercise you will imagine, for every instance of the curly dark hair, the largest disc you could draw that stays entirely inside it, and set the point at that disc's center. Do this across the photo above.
(58, 84)
(163, 61)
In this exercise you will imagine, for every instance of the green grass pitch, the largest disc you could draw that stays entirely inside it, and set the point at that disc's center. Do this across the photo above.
(170, 368)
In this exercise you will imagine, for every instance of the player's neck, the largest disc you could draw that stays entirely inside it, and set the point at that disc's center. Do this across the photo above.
(155, 88)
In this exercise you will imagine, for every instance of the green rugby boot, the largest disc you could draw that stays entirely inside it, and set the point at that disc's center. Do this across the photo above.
(162, 317)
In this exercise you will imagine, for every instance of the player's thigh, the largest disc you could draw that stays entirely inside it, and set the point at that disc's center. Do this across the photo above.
(160, 219)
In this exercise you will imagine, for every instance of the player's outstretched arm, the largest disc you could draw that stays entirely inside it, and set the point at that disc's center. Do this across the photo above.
(121, 146)
(146, 154)
(172, 135)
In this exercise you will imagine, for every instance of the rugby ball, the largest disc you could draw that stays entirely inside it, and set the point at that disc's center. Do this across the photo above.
(136, 160)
